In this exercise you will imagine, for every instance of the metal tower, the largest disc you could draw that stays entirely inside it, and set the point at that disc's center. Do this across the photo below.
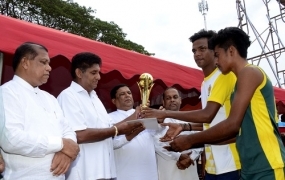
(203, 8)
(271, 46)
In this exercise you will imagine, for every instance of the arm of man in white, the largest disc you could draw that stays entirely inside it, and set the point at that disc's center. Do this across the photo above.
(195, 153)
(16, 140)
(119, 141)
(68, 133)
(159, 146)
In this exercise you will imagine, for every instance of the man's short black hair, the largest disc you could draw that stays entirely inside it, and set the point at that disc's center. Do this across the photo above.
(163, 94)
(231, 36)
(202, 34)
(26, 49)
(113, 92)
(84, 61)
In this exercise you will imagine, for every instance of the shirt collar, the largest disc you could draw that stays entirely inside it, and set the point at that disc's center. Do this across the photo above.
(78, 88)
(128, 112)
(25, 84)
(212, 73)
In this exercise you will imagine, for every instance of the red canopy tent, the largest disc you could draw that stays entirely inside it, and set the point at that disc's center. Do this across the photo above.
(119, 65)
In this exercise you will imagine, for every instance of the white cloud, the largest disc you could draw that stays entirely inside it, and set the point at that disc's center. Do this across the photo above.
(164, 26)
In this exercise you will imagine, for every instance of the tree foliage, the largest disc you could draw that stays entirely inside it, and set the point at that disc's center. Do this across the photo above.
(69, 17)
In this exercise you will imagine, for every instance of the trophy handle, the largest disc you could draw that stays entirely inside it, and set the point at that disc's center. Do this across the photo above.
(149, 91)
(140, 91)
(151, 87)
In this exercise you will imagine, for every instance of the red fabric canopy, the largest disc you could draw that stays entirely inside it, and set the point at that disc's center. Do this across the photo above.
(14, 32)
(119, 65)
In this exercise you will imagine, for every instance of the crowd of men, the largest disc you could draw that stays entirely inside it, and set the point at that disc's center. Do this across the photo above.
(73, 137)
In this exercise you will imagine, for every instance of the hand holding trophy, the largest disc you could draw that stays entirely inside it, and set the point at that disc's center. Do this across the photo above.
(145, 85)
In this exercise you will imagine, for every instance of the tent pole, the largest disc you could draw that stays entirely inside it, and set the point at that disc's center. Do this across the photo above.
(1, 66)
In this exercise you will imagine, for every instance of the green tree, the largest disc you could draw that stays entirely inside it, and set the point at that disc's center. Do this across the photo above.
(69, 17)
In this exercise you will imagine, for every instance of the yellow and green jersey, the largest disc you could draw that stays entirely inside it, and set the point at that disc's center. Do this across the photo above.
(258, 142)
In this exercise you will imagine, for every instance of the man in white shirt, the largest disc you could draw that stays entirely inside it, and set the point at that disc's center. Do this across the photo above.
(91, 122)
(36, 142)
(134, 152)
(174, 165)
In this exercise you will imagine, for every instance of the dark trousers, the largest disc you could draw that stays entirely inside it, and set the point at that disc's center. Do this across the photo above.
(233, 175)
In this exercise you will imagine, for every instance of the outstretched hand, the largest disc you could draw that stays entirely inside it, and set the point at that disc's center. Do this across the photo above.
(180, 143)
(153, 113)
(172, 132)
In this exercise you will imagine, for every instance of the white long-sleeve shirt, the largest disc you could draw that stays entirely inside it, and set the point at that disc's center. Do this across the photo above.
(166, 160)
(33, 131)
(134, 159)
(83, 110)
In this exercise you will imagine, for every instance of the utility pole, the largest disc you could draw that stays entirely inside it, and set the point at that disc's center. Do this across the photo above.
(203, 8)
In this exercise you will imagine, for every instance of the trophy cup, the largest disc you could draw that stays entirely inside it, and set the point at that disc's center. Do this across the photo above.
(145, 85)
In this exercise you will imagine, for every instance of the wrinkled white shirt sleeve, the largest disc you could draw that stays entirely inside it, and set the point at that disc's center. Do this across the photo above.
(119, 141)
(195, 153)
(15, 139)
(167, 155)
(171, 155)
(67, 131)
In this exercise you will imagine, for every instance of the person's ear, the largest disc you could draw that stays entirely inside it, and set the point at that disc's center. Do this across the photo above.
(232, 50)
(78, 73)
(114, 101)
(24, 62)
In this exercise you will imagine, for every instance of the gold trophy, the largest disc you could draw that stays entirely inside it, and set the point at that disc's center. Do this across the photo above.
(145, 85)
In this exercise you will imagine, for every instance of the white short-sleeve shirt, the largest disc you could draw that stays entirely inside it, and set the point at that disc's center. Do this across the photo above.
(84, 110)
